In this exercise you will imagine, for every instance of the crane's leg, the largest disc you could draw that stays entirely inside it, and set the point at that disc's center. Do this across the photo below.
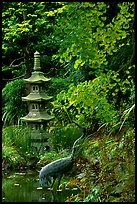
(59, 179)
(54, 179)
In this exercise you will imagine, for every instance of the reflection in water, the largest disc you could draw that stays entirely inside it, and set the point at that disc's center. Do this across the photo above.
(24, 187)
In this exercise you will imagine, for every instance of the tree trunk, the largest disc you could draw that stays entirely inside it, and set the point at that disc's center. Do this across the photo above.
(26, 56)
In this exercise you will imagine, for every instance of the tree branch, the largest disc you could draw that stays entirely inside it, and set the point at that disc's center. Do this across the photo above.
(18, 65)
(14, 78)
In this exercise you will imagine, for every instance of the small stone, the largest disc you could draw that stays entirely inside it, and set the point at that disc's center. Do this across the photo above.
(39, 188)
(74, 189)
(59, 190)
(16, 184)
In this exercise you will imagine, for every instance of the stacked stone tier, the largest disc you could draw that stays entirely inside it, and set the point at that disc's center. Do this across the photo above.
(37, 77)
(37, 117)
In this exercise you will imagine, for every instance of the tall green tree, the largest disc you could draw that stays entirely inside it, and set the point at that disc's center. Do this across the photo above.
(83, 39)
(92, 34)
(26, 28)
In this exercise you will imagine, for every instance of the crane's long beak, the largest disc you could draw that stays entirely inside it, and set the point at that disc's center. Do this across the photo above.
(81, 127)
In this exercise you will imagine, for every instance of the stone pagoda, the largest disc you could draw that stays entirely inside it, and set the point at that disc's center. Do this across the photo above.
(37, 100)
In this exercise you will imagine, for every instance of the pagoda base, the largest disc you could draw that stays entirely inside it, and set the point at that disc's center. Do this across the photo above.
(39, 141)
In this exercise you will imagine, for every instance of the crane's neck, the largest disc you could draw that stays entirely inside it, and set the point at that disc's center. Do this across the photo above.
(73, 148)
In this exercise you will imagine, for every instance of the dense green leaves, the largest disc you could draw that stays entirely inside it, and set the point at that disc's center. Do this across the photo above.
(13, 107)
(90, 39)
(80, 31)
(88, 49)
(22, 28)
(95, 99)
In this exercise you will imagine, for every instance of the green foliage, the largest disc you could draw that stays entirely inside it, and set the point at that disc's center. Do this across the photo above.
(96, 101)
(22, 23)
(87, 36)
(90, 46)
(57, 85)
(16, 150)
(83, 35)
(64, 137)
(110, 172)
(16, 136)
(88, 100)
(13, 107)
(14, 145)
(11, 156)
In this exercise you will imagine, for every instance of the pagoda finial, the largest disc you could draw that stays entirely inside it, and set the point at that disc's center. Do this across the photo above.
(37, 61)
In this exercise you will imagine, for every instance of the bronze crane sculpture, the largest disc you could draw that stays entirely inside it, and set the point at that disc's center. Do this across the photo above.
(49, 173)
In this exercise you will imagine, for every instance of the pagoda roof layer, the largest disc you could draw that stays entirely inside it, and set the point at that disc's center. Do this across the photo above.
(37, 77)
(37, 97)
(37, 117)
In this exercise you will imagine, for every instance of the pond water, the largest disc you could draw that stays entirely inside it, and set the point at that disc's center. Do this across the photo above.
(24, 187)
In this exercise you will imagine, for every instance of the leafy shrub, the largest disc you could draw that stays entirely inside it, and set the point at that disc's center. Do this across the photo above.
(95, 102)
(13, 107)
(64, 137)
(16, 136)
(16, 149)
(11, 156)
(87, 101)
(57, 85)
(110, 172)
